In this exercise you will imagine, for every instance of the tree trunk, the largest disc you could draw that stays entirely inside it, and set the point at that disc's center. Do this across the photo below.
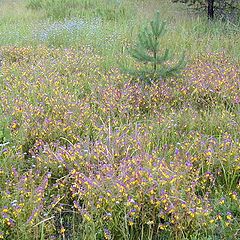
(210, 9)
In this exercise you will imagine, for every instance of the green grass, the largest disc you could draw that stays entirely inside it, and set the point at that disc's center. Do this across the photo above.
(191, 34)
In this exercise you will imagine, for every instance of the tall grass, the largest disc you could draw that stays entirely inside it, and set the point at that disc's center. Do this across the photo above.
(112, 10)
(191, 34)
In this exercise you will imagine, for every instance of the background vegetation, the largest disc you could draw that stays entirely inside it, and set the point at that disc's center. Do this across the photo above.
(88, 152)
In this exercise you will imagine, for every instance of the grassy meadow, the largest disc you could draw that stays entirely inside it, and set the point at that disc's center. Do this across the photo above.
(88, 152)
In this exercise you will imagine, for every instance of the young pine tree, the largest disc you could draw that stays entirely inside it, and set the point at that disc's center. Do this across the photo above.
(148, 52)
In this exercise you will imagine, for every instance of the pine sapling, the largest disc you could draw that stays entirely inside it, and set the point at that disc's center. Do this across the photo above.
(148, 53)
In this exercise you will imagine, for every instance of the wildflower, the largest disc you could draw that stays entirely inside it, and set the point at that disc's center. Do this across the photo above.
(130, 222)
(227, 224)
(62, 230)
(107, 234)
(233, 195)
(87, 217)
(229, 216)
(5, 209)
(219, 217)
(162, 226)
(222, 201)
(150, 222)
(212, 221)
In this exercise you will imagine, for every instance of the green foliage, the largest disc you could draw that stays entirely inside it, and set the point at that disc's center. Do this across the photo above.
(35, 4)
(60, 9)
(148, 52)
(222, 9)
(56, 9)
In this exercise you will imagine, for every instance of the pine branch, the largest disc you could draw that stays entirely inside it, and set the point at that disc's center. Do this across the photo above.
(164, 58)
(141, 56)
